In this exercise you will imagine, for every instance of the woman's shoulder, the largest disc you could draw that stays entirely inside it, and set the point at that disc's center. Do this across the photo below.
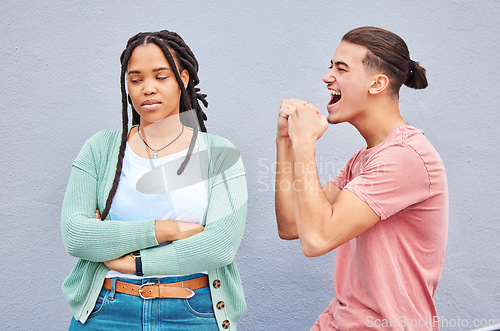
(213, 140)
(104, 142)
(104, 137)
(224, 156)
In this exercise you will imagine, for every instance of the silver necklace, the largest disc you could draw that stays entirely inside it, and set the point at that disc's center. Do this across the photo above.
(155, 151)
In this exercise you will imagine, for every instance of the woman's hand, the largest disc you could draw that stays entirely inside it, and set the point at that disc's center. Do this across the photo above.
(124, 264)
(165, 231)
(168, 230)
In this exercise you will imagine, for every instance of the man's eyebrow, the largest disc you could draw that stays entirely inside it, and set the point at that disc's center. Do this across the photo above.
(154, 70)
(338, 63)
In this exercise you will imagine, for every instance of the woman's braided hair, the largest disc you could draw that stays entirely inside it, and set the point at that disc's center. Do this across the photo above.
(172, 45)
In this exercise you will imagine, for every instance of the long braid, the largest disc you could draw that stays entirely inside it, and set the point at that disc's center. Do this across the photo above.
(184, 98)
(188, 61)
(124, 58)
(165, 40)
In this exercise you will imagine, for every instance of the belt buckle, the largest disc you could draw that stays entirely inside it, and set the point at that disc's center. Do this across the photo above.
(140, 290)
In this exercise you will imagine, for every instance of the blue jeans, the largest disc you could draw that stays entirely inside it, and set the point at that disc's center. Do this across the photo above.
(119, 311)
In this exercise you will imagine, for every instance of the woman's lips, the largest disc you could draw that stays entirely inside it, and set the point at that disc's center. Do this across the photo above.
(150, 105)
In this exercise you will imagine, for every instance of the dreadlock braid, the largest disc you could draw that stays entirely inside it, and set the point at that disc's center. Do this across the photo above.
(172, 45)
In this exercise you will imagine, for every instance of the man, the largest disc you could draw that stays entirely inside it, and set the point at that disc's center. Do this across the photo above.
(387, 210)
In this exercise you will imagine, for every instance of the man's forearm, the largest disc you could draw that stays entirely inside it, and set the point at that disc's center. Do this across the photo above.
(284, 189)
(312, 211)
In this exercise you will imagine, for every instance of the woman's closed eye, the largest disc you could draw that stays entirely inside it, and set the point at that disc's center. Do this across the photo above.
(135, 79)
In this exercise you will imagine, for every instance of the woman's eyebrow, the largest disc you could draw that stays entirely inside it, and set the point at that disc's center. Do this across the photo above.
(154, 70)
(161, 69)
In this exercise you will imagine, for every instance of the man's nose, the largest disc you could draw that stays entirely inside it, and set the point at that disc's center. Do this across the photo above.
(329, 77)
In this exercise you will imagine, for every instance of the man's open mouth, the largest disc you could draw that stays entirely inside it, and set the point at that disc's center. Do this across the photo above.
(336, 95)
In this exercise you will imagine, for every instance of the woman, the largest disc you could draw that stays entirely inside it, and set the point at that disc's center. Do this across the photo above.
(173, 204)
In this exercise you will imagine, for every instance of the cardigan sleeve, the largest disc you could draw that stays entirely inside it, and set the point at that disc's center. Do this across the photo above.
(217, 245)
(84, 236)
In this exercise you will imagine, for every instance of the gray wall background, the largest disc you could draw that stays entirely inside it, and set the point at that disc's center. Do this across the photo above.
(60, 84)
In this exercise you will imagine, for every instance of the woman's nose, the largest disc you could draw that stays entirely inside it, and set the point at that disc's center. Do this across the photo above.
(149, 87)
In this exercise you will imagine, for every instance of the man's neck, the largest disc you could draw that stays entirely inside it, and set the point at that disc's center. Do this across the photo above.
(379, 120)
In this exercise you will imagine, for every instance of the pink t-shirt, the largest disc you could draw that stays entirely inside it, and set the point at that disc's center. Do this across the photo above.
(386, 277)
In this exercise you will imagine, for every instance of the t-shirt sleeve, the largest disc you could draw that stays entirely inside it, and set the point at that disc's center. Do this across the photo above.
(392, 180)
(342, 178)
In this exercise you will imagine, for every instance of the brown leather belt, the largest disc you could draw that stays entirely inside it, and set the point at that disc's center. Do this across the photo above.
(179, 290)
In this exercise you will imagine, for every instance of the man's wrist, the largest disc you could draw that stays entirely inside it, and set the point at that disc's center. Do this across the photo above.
(283, 140)
(304, 149)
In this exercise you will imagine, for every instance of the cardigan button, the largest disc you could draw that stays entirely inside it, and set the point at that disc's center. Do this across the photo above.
(220, 305)
(216, 283)
(225, 324)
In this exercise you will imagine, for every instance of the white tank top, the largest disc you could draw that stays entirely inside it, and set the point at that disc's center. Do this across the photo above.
(151, 189)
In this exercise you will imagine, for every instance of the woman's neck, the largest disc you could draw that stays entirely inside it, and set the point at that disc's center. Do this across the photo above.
(168, 132)
(159, 133)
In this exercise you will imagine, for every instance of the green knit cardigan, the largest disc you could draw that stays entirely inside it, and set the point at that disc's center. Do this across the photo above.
(94, 241)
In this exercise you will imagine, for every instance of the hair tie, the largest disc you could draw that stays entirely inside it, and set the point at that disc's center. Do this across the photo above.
(413, 66)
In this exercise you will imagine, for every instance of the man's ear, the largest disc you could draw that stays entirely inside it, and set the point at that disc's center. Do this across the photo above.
(380, 83)
(185, 77)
